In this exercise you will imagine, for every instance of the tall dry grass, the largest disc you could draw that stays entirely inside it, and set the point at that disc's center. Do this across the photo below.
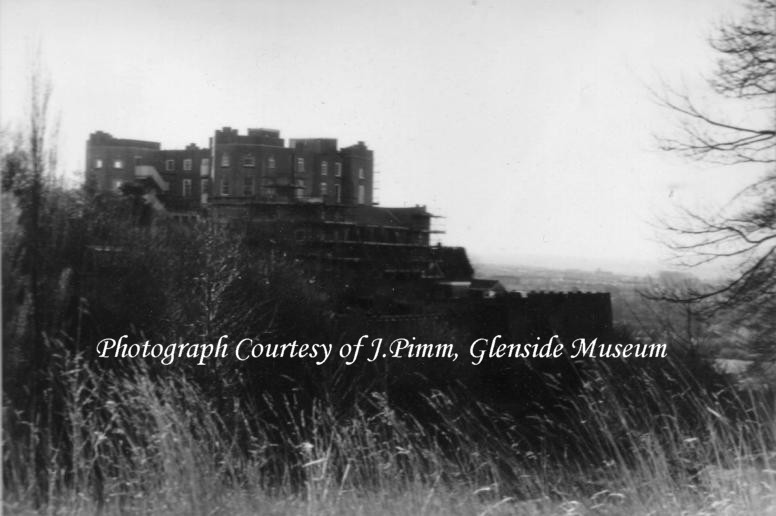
(136, 441)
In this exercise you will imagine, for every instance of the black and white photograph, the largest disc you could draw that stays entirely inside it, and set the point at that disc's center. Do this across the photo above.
(353, 257)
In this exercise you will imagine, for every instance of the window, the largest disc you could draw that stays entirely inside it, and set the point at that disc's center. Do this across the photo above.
(169, 165)
(248, 191)
(204, 164)
(300, 187)
(188, 163)
(361, 196)
(271, 162)
(338, 170)
(324, 168)
(338, 193)
(300, 164)
(98, 163)
(118, 163)
(117, 184)
(203, 187)
(249, 161)
(323, 189)
(361, 173)
(225, 160)
(225, 186)
(187, 187)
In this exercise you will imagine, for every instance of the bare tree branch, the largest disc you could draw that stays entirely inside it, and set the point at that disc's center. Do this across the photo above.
(741, 234)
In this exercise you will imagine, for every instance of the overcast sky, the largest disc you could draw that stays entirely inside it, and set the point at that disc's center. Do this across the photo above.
(528, 125)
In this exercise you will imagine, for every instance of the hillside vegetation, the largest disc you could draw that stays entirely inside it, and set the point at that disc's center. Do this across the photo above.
(84, 434)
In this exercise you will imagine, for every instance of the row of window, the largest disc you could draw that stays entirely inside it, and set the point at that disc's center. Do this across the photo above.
(249, 190)
(169, 165)
(325, 168)
(248, 161)
(117, 163)
(248, 186)
(187, 187)
(188, 164)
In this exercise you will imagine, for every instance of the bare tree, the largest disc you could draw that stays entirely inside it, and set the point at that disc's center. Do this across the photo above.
(737, 129)
(27, 169)
(745, 78)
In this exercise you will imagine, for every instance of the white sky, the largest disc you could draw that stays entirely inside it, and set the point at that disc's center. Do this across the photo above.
(527, 124)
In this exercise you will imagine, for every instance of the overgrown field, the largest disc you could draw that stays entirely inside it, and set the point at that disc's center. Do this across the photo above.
(132, 441)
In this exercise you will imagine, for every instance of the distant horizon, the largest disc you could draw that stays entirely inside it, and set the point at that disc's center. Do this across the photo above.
(566, 263)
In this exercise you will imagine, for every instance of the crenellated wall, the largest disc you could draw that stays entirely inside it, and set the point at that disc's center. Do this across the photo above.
(567, 314)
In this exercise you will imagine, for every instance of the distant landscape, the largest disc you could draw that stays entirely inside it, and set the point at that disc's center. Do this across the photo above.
(646, 319)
